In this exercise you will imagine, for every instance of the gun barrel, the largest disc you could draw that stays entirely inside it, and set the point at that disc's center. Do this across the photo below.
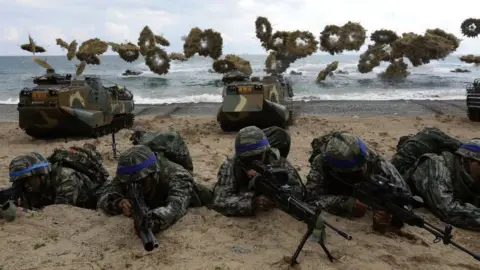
(339, 231)
(149, 240)
(473, 254)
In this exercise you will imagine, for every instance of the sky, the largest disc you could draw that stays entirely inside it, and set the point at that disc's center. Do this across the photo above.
(121, 20)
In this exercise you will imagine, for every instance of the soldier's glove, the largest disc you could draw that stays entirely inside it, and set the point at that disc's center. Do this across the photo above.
(319, 234)
(381, 221)
(355, 207)
(8, 211)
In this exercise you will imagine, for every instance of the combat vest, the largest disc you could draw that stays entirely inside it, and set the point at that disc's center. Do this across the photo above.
(429, 140)
(201, 196)
(80, 160)
(279, 138)
(171, 145)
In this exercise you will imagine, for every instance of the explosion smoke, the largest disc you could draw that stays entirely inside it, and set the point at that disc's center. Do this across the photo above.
(32, 47)
(177, 56)
(156, 58)
(335, 39)
(284, 47)
(129, 52)
(434, 44)
(205, 43)
(328, 71)
(232, 62)
(470, 28)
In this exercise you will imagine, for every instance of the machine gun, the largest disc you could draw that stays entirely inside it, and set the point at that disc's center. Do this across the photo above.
(114, 146)
(11, 193)
(386, 197)
(271, 184)
(142, 217)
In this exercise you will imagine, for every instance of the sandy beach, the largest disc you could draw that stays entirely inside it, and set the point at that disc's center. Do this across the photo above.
(65, 237)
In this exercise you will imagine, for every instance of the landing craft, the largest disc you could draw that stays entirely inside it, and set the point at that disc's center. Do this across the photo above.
(473, 101)
(59, 106)
(262, 103)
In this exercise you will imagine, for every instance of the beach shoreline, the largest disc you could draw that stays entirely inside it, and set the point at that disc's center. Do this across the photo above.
(71, 238)
(324, 107)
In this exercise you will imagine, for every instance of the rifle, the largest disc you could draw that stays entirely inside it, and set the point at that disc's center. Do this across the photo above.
(114, 146)
(7, 194)
(386, 197)
(271, 184)
(142, 217)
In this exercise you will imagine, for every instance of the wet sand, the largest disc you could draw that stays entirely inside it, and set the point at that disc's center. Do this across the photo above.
(65, 237)
(335, 107)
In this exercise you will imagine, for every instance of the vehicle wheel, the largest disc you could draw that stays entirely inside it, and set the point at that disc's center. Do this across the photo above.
(473, 114)
(227, 127)
(274, 98)
(290, 121)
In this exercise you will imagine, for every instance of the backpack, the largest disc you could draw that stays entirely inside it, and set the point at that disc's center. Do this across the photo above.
(171, 144)
(318, 142)
(279, 138)
(82, 160)
(429, 140)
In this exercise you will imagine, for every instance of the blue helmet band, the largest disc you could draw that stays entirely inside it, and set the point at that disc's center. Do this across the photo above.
(137, 167)
(241, 148)
(29, 169)
(349, 163)
(471, 147)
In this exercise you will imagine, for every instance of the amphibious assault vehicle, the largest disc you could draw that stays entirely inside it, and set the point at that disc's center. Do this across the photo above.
(59, 106)
(473, 101)
(262, 103)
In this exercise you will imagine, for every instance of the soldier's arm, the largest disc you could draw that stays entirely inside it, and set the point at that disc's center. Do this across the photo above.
(318, 193)
(434, 183)
(294, 179)
(225, 199)
(179, 195)
(113, 193)
(68, 187)
(387, 170)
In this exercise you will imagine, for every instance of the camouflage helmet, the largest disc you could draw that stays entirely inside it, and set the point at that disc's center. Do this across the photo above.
(470, 149)
(251, 141)
(27, 165)
(138, 132)
(136, 163)
(90, 146)
(279, 138)
(345, 152)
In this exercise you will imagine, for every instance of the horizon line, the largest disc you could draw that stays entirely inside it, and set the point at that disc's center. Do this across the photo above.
(316, 54)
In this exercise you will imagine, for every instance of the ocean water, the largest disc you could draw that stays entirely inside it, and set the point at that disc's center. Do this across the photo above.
(191, 81)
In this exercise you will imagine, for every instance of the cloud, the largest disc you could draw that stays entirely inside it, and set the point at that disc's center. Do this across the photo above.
(11, 34)
(122, 20)
(115, 31)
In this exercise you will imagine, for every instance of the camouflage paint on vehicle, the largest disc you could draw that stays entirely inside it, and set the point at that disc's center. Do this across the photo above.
(263, 103)
(473, 101)
(60, 106)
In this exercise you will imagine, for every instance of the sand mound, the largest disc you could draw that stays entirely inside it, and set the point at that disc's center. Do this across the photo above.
(65, 237)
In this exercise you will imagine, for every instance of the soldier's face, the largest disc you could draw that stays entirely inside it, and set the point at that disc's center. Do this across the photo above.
(32, 184)
(248, 161)
(353, 177)
(475, 170)
(147, 183)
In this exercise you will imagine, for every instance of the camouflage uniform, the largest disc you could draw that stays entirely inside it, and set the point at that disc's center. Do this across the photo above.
(340, 153)
(171, 144)
(59, 184)
(428, 140)
(445, 184)
(232, 195)
(173, 188)
(279, 138)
